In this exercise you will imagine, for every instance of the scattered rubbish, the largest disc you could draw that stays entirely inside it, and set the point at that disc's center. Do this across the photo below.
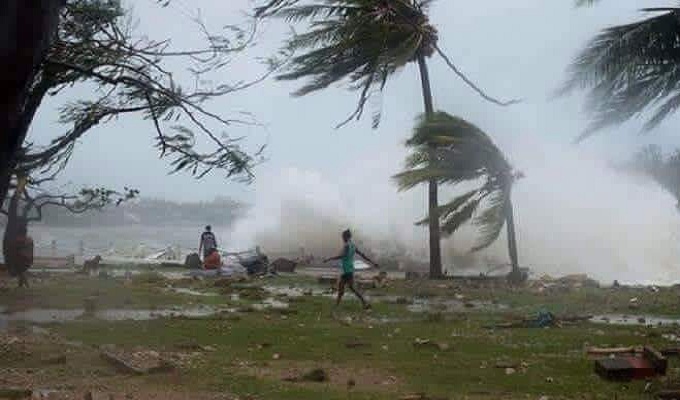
(634, 303)
(544, 319)
(139, 363)
(613, 350)
(276, 356)
(625, 368)
(428, 343)
(284, 265)
(646, 320)
(510, 371)
(380, 280)
(316, 375)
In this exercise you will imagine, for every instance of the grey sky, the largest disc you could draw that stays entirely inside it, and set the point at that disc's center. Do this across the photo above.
(518, 48)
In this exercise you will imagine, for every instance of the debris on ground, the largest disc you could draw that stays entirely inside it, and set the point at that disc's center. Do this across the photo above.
(137, 363)
(380, 280)
(606, 351)
(315, 375)
(354, 344)
(634, 303)
(544, 319)
(283, 265)
(418, 342)
(649, 364)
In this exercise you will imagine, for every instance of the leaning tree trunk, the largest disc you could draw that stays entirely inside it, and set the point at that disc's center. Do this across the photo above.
(12, 228)
(515, 274)
(433, 202)
(26, 30)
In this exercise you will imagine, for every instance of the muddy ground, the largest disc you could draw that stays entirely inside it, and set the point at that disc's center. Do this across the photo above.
(154, 337)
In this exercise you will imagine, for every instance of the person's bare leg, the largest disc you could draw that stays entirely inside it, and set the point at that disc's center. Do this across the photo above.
(341, 291)
(356, 292)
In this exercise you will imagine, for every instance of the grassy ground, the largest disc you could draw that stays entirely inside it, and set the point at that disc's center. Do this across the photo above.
(367, 355)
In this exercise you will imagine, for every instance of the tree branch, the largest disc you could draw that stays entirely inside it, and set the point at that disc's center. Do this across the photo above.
(472, 84)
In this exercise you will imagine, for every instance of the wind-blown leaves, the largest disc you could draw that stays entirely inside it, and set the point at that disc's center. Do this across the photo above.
(630, 68)
(462, 153)
(361, 41)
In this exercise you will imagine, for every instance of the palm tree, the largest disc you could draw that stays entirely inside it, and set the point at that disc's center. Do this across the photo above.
(630, 68)
(464, 153)
(365, 42)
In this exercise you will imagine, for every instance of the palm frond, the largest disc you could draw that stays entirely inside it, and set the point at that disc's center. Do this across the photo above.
(455, 220)
(407, 180)
(450, 150)
(451, 207)
(628, 69)
(361, 42)
(491, 221)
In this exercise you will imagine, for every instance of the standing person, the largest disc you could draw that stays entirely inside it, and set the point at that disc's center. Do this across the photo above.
(208, 242)
(347, 278)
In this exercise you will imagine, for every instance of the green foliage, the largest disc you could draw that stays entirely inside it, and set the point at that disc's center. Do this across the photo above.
(131, 74)
(451, 150)
(34, 200)
(628, 69)
(362, 41)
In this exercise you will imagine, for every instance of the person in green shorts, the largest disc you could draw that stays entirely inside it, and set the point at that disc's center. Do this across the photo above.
(347, 278)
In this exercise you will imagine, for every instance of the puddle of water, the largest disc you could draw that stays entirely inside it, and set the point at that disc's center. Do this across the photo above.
(270, 303)
(43, 316)
(634, 320)
(192, 292)
(291, 291)
(450, 305)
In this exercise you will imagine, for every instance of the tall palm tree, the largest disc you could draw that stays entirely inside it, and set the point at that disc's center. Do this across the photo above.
(630, 68)
(464, 153)
(365, 42)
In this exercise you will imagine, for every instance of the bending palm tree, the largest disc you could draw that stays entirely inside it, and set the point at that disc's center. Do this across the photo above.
(630, 68)
(365, 41)
(464, 153)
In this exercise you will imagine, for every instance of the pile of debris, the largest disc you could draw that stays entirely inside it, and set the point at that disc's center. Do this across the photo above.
(549, 284)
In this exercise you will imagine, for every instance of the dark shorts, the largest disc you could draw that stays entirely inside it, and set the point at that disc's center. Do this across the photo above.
(346, 277)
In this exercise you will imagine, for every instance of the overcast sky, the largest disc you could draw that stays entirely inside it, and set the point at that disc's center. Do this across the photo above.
(516, 48)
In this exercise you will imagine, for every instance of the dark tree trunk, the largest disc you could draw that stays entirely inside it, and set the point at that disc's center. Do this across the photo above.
(12, 229)
(26, 30)
(515, 274)
(433, 202)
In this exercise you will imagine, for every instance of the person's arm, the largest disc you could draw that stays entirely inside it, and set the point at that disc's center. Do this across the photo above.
(339, 257)
(367, 259)
(200, 244)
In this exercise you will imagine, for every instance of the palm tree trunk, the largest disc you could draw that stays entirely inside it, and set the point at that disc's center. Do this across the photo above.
(433, 202)
(26, 30)
(515, 274)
